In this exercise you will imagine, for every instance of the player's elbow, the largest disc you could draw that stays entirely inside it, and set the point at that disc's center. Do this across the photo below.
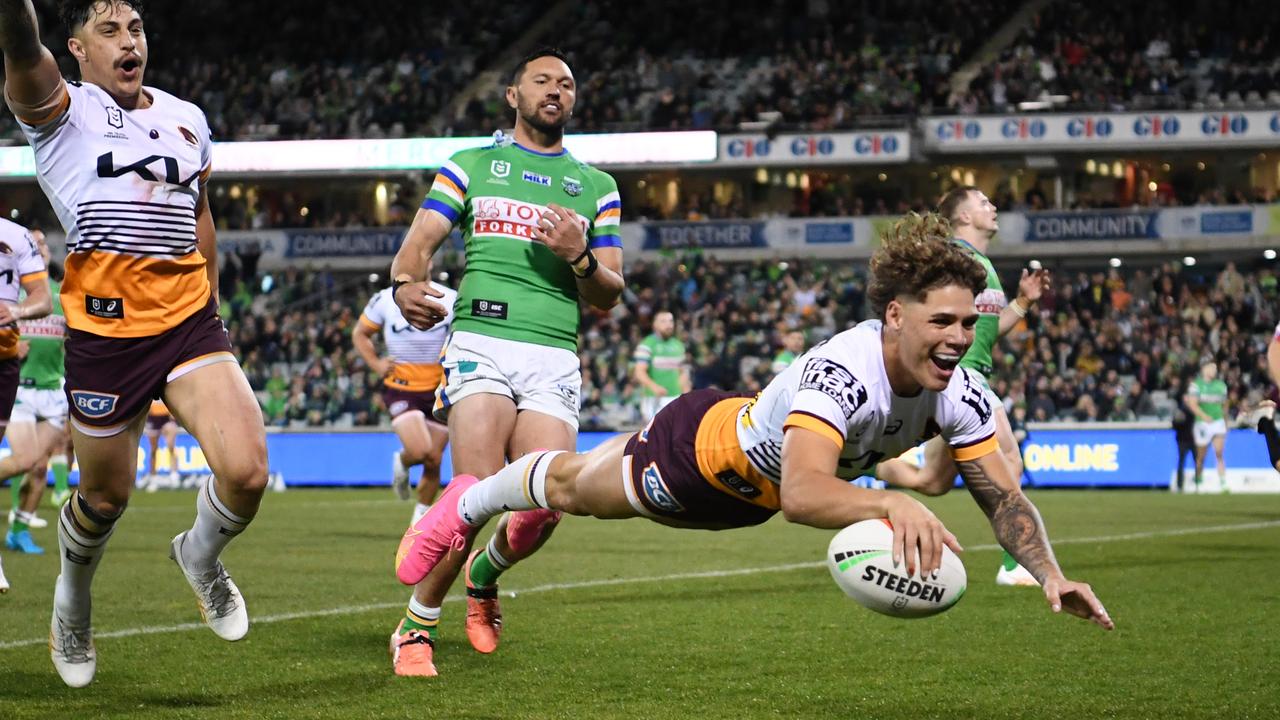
(797, 505)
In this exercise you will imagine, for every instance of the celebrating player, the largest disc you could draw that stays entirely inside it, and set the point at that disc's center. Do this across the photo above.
(1207, 400)
(660, 368)
(541, 231)
(716, 460)
(973, 221)
(411, 372)
(126, 167)
(38, 423)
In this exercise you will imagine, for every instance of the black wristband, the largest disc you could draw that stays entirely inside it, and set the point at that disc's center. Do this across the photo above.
(592, 265)
(585, 252)
(395, 285)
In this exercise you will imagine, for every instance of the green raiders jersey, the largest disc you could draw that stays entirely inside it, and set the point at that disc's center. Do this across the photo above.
(514, 287)
(1211, 395)
(990, 304)
(665, 358)
(43, 367)
(782, 361)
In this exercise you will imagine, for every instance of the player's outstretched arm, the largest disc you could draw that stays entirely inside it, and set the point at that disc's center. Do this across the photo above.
(412, 266)
(1019, 529)
(1031, 287)
(812, 495)
(31, 74)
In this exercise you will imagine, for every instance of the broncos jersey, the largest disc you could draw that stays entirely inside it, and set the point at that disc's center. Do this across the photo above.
(125, 186)
(416, 352)
(839, 389)
(19, 262)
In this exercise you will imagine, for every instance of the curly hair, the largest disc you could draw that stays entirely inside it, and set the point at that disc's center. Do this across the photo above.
(915, 256)
(75, 13)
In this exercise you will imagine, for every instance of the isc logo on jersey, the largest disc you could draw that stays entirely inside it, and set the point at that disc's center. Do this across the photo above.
(508, 218)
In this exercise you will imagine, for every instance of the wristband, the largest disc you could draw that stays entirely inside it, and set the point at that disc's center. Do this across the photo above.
(1017, 308)
(585, 265)
(395, 285)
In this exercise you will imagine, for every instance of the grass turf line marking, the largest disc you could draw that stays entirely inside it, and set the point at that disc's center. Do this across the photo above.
(606, 582)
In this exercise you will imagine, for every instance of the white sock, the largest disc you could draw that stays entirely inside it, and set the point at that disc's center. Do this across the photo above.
(522, 485)
(215, 527)
(421, 614)
(495, 555)
(419, 510)
(82, 538)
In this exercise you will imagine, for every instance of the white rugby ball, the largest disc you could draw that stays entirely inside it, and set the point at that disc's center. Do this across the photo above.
(860, 559)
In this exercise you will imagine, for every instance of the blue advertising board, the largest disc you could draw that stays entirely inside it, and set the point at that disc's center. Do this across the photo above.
(1053, 458)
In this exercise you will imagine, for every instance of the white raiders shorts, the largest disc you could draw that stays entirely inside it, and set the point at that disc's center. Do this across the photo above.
(536, 377)
(650, 405)
(36, 406)
(1203, 432)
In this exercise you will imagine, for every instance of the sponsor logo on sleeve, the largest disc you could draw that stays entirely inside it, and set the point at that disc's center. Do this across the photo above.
(833, 379)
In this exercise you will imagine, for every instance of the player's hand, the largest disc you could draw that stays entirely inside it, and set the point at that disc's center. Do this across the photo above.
(562, 233)
(915, 526)
(1077, 599)
(7, 315)
(416, 304)
(658, 391)
(383, 366)
(1033, 283)
(24, 348)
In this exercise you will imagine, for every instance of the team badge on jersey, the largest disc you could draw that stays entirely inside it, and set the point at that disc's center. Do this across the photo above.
(572, 187)
(500, 168)
(189, 136)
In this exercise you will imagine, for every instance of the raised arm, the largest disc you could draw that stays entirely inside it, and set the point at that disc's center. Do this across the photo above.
(1018, 528)
(33, 84)
(1031, 286)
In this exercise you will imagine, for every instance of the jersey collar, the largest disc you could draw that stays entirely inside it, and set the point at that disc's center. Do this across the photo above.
(531, 151)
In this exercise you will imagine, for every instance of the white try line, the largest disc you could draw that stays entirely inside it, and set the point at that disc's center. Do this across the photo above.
(606, 582)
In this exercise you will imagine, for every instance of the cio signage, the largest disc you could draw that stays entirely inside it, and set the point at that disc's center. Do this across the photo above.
(801, 149)
(1087, 132)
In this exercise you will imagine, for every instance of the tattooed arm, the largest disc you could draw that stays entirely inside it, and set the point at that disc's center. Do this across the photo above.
(1019, 530)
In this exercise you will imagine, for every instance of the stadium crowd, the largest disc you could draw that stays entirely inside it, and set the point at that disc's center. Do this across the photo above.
(303, 70)
(1135, 56)
(1107, 345)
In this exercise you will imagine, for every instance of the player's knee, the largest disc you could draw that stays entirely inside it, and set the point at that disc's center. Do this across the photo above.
(248, 473)
(410, 457)
(936, 487)
(563, 496)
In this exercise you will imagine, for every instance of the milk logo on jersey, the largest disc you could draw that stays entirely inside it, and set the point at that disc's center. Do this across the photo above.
(508, 218)
(115, 117)
(991, 302)
(572, 186)
(535, 178)
(500, 168)
(94, 404)
(657, 492)
(835, 381)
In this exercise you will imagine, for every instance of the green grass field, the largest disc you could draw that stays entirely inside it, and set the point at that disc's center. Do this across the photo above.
(628, 619)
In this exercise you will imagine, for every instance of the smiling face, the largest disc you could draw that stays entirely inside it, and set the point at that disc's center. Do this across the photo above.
(543, 95)
(930, 337)
(111, 48)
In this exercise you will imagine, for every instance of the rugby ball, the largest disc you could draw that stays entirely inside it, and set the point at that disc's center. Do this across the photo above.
(860, 559)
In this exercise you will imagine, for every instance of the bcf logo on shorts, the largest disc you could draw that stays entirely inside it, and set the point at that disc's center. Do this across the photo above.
(94, 404)
(656, 490)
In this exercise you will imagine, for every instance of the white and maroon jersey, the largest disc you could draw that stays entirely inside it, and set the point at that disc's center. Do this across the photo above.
(125, 185)
(839, 389)
(20, 262)
(416, 352)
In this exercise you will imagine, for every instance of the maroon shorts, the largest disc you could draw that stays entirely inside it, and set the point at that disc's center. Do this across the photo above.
(156, 423)
(665, 477)
(400, 402)
(9, 371)
(111, 380)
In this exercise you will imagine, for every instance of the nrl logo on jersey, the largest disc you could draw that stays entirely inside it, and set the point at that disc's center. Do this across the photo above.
(500, 168)
(115, 117)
